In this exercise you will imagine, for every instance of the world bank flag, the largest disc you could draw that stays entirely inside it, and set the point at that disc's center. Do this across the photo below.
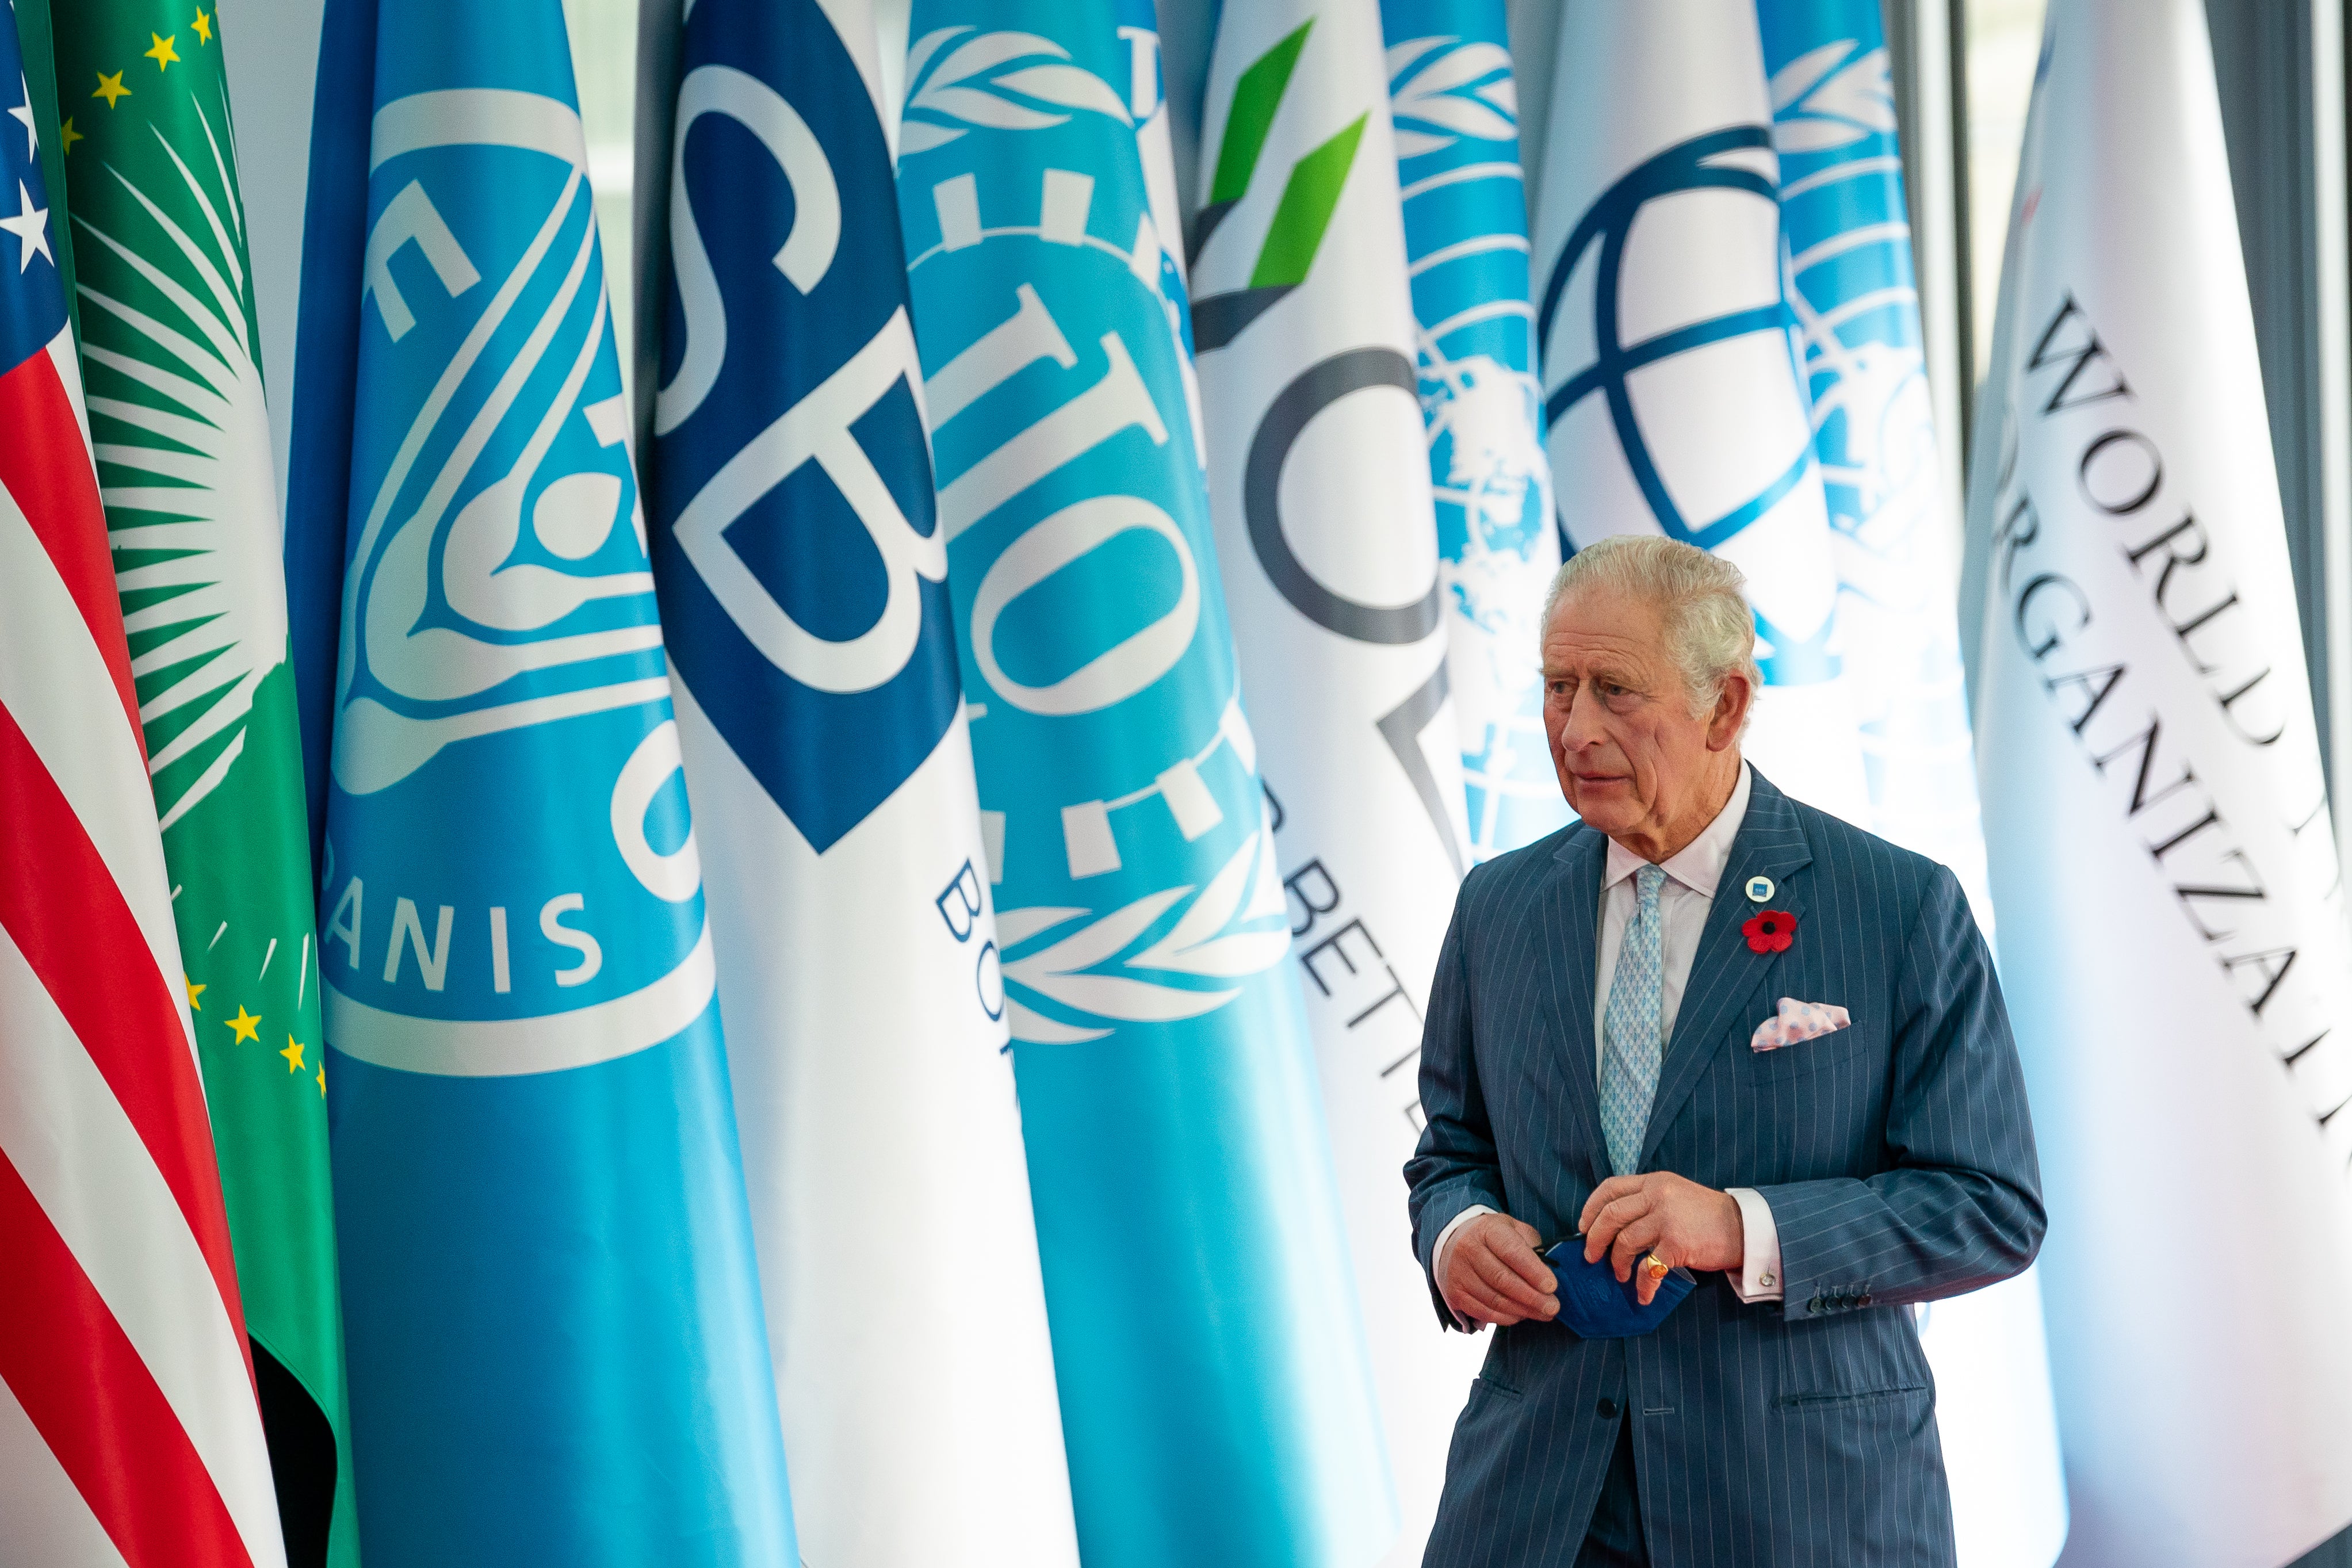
(1672, 387)
(554, 1321)
(1206, 1343)
(1455, 109)
(1896, 549)
(803, 586)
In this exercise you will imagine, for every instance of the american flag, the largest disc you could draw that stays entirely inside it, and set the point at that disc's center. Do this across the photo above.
(130, 1432)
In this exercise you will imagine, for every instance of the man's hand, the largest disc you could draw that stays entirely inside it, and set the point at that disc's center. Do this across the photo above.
(1687, 1225)
(1493, 1274)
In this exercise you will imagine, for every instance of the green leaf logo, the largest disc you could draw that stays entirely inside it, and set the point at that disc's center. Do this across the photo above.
(1311, 193)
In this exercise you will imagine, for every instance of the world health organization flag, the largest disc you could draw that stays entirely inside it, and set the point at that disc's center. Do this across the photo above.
(1896, 549)
(1673, 390)
(554, 1321)
(1455, 109)
(803, 586)
(1206, 1343)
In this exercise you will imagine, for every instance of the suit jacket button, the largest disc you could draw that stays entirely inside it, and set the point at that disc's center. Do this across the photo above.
(1606, 1410)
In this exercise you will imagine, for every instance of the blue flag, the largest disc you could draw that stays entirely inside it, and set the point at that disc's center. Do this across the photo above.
(803, 589)
(553, 1322)
(1455, 109)
(1895, 545)
(1206, 1340)
(1856, 301)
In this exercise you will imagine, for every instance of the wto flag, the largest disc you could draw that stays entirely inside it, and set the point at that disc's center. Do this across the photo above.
(1319, 476)
(1673, 389)
(2172, 920)
(1206, 1341)
(804, 587)
(553, 1319)
(1465, 229)
(1857, 304)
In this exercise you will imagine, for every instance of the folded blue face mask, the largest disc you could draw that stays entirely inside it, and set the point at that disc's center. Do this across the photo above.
(1598, 1305)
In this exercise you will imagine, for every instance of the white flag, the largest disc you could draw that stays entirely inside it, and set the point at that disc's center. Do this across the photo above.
(1672, 386)
(825, 740)
(2172, 933)
(1318, 481)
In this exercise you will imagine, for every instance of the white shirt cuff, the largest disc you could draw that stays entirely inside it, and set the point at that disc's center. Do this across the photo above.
(1437, 1257)
(1759, 1278)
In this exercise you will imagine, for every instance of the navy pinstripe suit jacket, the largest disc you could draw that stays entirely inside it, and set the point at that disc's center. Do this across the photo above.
(1897, 1155)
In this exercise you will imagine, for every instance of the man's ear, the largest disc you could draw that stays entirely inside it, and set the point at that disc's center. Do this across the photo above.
(1730, 713)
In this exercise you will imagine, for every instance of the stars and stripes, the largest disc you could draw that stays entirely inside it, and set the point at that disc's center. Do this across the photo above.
(129, 1427)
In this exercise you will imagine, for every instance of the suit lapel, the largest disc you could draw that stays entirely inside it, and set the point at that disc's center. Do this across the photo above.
(1572, 942)
(1725, 973)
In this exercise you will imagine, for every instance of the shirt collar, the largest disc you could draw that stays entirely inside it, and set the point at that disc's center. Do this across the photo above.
(1699, 864)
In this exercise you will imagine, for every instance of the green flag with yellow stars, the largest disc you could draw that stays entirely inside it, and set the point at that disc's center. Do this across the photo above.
(182, 437)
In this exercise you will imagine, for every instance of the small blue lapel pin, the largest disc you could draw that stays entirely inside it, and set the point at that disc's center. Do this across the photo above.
(1760, 888)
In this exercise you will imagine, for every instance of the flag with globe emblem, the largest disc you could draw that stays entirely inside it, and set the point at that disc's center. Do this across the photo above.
(803, 586)
(1455, 110)
(1673, 397)
(553, 1325)
(169, 355)
(1206, 1345)
(1896, 549)
(1319, 481)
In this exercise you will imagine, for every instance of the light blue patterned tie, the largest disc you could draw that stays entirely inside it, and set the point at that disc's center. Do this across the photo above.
(1631, 1039)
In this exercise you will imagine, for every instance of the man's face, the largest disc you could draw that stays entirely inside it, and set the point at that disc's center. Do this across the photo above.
(1632, 758)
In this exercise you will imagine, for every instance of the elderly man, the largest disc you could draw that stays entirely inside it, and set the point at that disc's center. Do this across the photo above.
(1710, 1028)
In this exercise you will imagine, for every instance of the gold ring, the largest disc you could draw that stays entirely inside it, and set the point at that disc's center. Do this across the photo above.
(1655, 1266)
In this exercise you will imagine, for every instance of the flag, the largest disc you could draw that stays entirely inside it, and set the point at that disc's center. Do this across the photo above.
(169, 355)
(552, 1315)
(2172, 933)
(128, 1418)
(1847, 230)
(1455, 110)
(36, 40)
(1319, 476)
(1206, 1344)
(803, 590)
(1674, 394)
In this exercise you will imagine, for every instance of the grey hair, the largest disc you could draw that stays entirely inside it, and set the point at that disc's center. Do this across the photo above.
(1702, 598)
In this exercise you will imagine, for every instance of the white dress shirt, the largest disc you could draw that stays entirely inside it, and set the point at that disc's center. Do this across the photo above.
(1693, 874)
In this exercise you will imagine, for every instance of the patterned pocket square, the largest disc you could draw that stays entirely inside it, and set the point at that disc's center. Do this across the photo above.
(1798, 1020)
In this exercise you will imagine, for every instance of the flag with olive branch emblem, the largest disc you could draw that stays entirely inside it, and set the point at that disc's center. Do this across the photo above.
(182, 437)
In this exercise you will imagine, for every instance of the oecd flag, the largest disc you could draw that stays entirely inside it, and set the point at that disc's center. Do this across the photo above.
(1896, 549)
(552, 1317)
(1206, 1341)
(1455, 109)
(1673, 393)
(1318, 477)
(803, 579)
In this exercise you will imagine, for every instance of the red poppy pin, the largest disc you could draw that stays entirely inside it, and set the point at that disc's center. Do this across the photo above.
(1769, 931)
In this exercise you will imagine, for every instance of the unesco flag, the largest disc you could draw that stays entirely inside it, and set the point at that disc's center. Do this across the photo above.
(803, 586)
(1205, 1337)
(553, 1322)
